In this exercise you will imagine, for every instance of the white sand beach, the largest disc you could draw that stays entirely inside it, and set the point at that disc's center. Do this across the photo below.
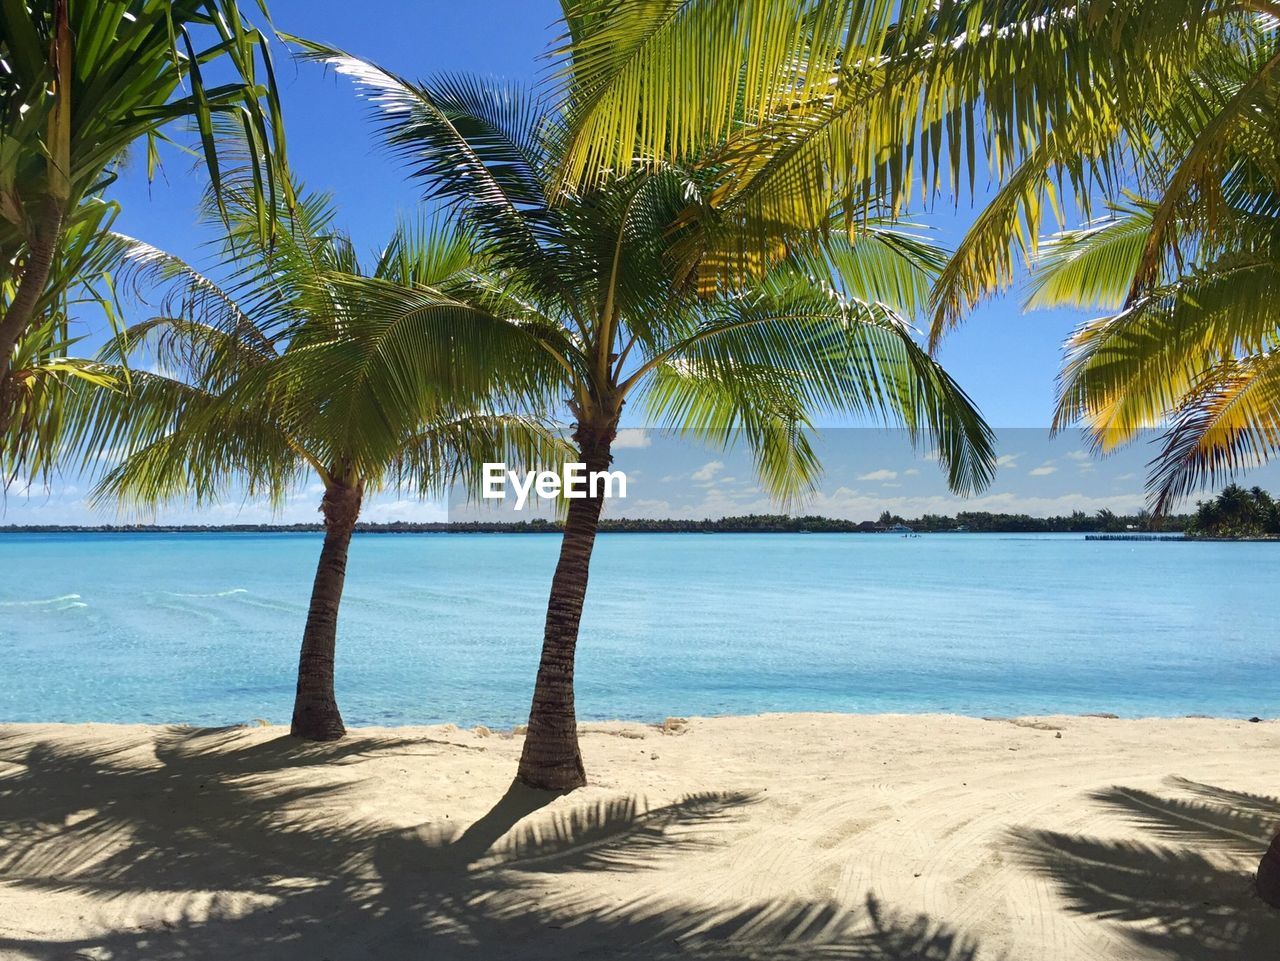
(783, 836)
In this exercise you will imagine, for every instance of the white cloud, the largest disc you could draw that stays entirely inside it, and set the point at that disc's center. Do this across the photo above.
(1007, 460)
(632, 437)
(707, 472)
(1079, 455)
(911, 472)
(1044, 470)
(879, 475)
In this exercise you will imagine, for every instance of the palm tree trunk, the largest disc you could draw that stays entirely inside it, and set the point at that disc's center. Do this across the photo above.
(551, 759)
(1268, 882)
(315, 710)
(35, 274)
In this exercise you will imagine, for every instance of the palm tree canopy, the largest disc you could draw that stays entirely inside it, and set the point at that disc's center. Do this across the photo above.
(1195, 355)
(824, 106)
(606, 279)
(279, 371)
(807, 107)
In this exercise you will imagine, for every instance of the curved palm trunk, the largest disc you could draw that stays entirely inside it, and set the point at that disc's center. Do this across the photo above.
(1268, 882)
(35, 274)
(551, 759)
(315, 710)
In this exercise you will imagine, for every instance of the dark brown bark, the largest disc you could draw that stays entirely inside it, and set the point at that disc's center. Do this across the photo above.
(1269, 874)
(315, 709)
(551, 759)
(21, 312)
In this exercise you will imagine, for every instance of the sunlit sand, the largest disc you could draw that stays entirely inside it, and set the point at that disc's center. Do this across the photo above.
(784, 836)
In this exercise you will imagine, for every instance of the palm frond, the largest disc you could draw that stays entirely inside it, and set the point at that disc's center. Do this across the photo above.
(1229, 421)
(1094, 266)
(830, 353)
(451, 451)
(469, 142)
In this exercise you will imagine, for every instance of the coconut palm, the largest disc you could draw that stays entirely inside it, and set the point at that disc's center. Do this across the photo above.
(279, 374)
(606, 280)
(803, 102)
(81, 81)
(807, 97)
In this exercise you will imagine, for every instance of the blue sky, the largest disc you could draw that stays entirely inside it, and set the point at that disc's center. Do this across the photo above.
(1004, 358)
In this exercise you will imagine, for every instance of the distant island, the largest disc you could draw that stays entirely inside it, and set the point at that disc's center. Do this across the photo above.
(978, 522)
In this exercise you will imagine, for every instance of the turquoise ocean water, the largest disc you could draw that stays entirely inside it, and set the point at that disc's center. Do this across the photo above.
(204, 628)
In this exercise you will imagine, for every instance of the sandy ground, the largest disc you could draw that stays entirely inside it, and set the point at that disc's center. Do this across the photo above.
(777, 837)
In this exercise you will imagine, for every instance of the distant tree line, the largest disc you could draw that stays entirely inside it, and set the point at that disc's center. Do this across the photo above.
(1236, 513)
(1103, 521)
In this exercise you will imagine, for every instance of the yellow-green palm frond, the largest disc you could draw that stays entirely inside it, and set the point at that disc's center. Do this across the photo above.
(756, 405)
(1093, 266)
(40, 405)
(826, 352)
(1226, 104)
(1230, 420)
(151, 438)
(628, 71)
(1005, 233)
(1131, 371)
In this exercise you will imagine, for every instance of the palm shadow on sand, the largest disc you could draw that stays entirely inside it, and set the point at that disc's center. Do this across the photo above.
(214, 812)
(1186, 893)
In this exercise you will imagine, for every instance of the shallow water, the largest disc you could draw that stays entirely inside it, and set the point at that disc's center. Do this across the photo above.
(204, 628)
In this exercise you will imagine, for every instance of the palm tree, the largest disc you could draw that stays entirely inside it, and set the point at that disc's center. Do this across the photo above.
(1185, 266)
(808, 98)
(607, 280)
(803, 100)
(282, 374)
(81, 81)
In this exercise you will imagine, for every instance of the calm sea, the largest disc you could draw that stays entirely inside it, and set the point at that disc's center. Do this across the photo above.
(204, 628)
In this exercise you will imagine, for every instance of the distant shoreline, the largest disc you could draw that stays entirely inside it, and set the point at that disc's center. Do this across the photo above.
(965, 523)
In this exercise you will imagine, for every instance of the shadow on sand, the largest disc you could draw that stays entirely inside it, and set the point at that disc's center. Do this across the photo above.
(1185, 894)
(211, 812)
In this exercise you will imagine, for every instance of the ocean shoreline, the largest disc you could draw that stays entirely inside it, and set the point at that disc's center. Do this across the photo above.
(610, 725)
